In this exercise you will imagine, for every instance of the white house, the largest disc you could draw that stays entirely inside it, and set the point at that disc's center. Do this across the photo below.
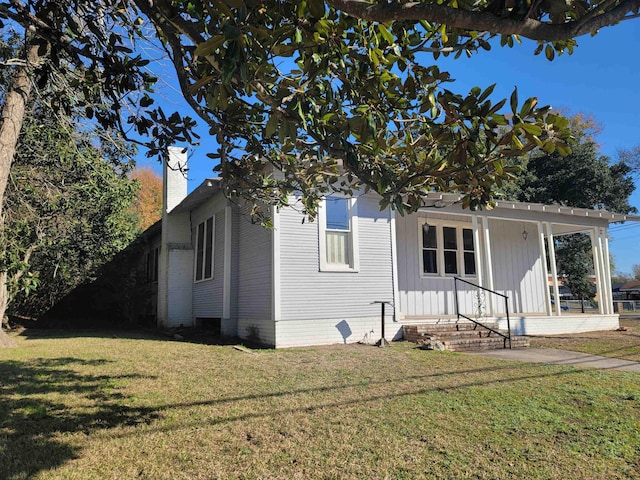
(317, 282)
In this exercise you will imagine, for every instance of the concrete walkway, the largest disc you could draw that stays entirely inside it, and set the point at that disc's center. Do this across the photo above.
(562, 357)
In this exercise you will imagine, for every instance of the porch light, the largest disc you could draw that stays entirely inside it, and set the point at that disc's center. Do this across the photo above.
(525, 234)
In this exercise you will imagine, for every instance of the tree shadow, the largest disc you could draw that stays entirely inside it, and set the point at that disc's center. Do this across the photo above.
(35, 419)
(194, 335)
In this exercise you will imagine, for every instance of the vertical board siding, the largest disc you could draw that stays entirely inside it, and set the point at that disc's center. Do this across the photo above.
(517, 266)
(423, 295)
(309, 295)
(517, 271)
(254, 279)
(208, 294)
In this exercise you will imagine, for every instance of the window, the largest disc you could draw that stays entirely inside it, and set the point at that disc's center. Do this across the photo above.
(152, 265)
(204, 250)
(447, 250)
(338, 234)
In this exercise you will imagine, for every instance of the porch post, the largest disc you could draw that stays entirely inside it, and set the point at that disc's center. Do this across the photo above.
(607, 269)
(545, 270)
(597, 264)
(554, 268)
(487, 247)
(479, 249)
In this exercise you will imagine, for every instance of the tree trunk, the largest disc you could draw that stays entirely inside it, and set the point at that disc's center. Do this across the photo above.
(11, 120)
(5, 340)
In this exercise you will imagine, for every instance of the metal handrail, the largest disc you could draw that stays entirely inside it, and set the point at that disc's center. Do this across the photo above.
(506, 307)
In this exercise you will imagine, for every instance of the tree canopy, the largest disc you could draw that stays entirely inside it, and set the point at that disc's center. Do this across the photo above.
(584, 178)
(148, 205)
(67, 211)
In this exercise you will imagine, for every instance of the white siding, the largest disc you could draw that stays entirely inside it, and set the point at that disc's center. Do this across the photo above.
(424, 295)
(229, 326)
(517, 266)
(207, 294)
(517, 270)
(317, 302)
(254, 281)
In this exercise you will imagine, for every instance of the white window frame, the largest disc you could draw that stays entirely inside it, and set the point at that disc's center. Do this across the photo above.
(460, 251)
(197, 241)
(354, 253)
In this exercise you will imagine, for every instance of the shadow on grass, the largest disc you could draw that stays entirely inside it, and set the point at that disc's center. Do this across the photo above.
(34, 401)
(187, 335)
(507, 375)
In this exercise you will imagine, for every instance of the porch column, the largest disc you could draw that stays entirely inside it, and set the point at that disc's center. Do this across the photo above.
(545, 270)
(597, 264)
(487, 247)
(554, 269)
(607, 266)
(479, 249)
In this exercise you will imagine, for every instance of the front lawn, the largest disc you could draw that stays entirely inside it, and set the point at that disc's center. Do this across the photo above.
(133, 406)
(623, 344)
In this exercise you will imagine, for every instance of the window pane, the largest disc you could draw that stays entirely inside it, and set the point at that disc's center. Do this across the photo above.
(450, 240)
(338, 248)
(208, 252)
(429, 261)
(337, 210)
(429, 238)
(450, 262)
(469, 263)
(199, 250)
(467, 239)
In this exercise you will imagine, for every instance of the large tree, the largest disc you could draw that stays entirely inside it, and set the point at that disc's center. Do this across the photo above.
(302, 96)
(68, 210)
(148, 205)
(584, 179)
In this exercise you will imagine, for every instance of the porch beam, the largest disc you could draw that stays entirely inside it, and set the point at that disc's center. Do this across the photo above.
(545, 269)
(487, 246)
(597, 264)
(554, 268)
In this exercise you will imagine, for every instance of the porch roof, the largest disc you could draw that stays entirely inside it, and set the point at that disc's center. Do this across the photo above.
(442, 200)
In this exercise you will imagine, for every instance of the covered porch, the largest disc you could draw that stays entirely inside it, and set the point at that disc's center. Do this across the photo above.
(509, 251)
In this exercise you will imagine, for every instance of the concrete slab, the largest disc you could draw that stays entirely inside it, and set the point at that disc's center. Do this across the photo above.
(562, 357)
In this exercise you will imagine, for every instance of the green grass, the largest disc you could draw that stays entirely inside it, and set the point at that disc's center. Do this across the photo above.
(618, 344)
(95, 406)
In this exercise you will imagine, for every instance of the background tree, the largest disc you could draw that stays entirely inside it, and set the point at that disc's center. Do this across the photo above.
(67, 211)
(148, 205)
(584, 179)
(635, 271)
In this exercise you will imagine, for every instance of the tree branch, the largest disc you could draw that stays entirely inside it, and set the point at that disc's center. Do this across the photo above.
(484, 20)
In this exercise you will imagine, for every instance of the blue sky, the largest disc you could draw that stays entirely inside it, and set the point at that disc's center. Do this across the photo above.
(601, 78)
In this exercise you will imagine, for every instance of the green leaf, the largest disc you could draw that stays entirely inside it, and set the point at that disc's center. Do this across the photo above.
(531, 128)
(272, 125)
(514, 101)
(549, 52)
(209, 46)
(316, 8)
